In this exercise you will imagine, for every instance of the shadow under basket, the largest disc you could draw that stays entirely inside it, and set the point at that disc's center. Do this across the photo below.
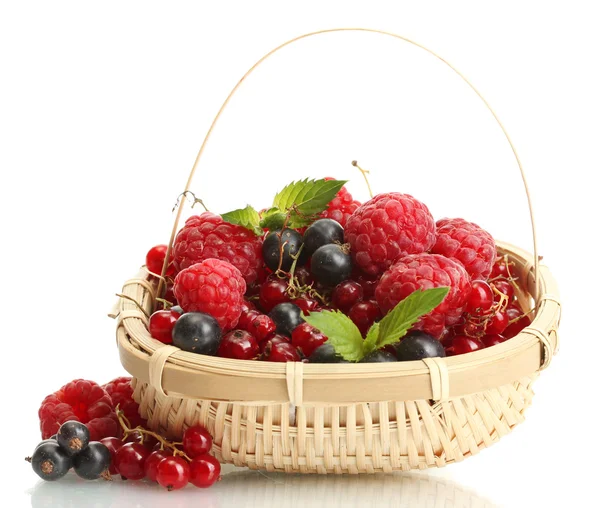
(342, 418)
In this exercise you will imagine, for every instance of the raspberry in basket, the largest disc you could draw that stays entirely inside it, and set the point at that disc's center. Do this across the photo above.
(82, 401)
(467, 243)
(424, 271)
(341, 207)
(121, 394)
(386, 228)
(209, 236)
(214, 287)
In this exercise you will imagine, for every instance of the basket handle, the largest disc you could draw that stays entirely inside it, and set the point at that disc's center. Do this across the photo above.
(370, 30)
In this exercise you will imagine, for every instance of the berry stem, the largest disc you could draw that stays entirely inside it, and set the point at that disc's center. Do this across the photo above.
(126, 426)
(195, 201)
(364, 174)
(518, 318)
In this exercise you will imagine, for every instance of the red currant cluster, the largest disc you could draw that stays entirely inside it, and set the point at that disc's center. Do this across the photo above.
(493, 313)
(146, 454)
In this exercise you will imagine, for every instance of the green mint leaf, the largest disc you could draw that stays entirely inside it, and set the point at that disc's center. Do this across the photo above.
(246, 217)
(273, 219)
(342, 333)
(399, 320)
(370, 343)
(307, 198)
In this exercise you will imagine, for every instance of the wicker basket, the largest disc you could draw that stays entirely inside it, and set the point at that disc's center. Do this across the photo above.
(315, 418)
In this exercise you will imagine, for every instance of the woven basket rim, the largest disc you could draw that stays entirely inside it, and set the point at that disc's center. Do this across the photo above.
(521, 355)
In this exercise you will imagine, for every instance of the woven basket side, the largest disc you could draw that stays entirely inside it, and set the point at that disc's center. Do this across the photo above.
(359, 438)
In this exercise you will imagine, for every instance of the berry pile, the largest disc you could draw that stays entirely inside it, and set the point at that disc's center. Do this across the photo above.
(279, 284)
(128, 449)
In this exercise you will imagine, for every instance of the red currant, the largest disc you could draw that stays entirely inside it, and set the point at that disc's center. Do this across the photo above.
(273, 292)
(247, 305)
(239, 345)
(519, 321)
(282, 352)
(246, 318)
(481, 298)
(501, 269)
(471, 328)
(364, 314)
(152, 462)
(173, 473)
(303, 276)
(262, 327)
(498, 323)
(463, 344)
(307, 338)
(368, 283)
(130, 460)
(276, 339)
(161, 325)
(113, 444)
(204, 471)
(306, 303)
(169, 296)
(447, 337)
(196, 441)
(504, 287)
(492, 339)
(155, 259)
(346, 294)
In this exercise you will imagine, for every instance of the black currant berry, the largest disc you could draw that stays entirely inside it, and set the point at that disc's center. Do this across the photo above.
(198, 333)
(322, 232)
(73, 437)
(379, 356)
(331, 264)
(92, 462)
(418, 345)
(325, 354)
(50, 461)
(283, 244)
(286, 316)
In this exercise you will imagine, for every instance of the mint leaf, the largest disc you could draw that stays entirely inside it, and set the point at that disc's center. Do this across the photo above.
(342, 333)
(306, 198)
(246, 217)
(272, 219)
(370, 343)
(400, 319)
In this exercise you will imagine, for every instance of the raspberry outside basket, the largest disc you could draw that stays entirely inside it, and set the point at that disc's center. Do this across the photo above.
(317, 418)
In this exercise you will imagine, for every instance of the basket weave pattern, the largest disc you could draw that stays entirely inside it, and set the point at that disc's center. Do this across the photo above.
(369, 437)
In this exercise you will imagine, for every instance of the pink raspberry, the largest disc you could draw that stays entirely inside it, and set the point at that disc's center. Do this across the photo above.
(214, 287)
(468, 244)
(424, 271)
(209, 236)
(341, 207)
(386, 228)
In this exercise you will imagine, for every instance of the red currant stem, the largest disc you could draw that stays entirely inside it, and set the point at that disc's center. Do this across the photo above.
(518, 318)
(364, 174)
(125, 297)
(503, 298)
(194, 202)
(125, 425)
(106, 476)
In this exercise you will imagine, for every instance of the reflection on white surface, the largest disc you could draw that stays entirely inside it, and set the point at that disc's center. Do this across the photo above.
(244, 488)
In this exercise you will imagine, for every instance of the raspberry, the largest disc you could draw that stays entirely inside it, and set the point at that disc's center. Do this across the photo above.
(213, 286)
(82, 401)
(209, 236)
(426, 271)
(341, 207)
(386, 228)
(121, 394)
(468, 244)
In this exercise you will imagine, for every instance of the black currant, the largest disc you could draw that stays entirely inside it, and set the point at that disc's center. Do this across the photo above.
(92, 462)
(198, 333)
(326, 354)
(50, 461)
(379, 356)
(418, 345)
(331, 264)
(286, 316)
(322, 232)
(73, 437)
(283, 244)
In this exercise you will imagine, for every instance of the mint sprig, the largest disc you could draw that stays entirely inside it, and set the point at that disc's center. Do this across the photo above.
(346, 338)
(296, 205)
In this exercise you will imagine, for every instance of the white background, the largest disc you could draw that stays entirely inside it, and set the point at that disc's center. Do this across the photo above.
(103, 106)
